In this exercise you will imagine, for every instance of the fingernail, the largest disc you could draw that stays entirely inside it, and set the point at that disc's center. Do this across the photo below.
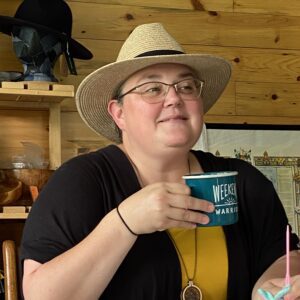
(211, 208)
(205, 220)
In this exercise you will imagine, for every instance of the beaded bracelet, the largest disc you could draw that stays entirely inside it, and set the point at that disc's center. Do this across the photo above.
(125, 222)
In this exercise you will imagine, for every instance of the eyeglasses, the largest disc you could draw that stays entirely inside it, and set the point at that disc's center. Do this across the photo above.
(154, 92)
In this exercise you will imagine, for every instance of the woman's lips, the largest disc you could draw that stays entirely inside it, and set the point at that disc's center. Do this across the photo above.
(173, 118)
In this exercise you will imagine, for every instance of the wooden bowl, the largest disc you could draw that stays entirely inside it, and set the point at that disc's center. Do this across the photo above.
(10, 192)
(28, 177)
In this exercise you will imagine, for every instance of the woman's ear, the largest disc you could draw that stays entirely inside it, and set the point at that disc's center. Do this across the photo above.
(115, 109)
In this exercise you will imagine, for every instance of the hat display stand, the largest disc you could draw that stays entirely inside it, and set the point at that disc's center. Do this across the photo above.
(41, 31)
(37, 52)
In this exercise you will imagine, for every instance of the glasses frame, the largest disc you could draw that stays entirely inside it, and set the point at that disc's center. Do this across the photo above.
(169, 85)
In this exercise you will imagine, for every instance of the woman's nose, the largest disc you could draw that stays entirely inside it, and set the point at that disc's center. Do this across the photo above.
(172, 97)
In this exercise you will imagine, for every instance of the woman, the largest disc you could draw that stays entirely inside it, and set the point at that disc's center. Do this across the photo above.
(119, 223)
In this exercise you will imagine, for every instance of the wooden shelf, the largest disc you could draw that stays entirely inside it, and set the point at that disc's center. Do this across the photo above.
(38, 94)
(10, 216)
(14, 212)
(28, 92)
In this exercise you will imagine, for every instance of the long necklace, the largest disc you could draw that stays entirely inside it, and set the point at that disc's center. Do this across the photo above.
(190, 291)
(138, 175)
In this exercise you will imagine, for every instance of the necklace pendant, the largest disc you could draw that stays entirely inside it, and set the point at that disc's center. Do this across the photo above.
(191, 292)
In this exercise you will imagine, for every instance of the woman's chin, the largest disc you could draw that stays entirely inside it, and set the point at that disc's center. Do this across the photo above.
(177, 138)
(178, 142)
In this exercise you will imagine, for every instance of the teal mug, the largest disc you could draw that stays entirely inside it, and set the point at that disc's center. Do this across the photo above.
(220, 189)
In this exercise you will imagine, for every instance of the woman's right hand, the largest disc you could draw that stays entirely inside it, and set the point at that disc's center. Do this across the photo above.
(163, 205)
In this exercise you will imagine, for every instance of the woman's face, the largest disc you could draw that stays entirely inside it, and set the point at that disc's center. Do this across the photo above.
(171, 123)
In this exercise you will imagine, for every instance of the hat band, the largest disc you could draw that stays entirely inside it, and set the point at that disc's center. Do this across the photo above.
(159, 52)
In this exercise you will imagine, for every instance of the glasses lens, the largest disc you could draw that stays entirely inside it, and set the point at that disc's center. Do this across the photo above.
(189, 89)
(153, 92)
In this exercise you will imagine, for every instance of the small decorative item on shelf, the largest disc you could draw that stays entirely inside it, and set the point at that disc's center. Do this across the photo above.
(34, 192)
(19, 188)
(18, 161)
(10, 192)
(32, 157)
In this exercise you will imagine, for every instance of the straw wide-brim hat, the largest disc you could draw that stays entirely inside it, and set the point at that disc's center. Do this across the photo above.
(148, 44)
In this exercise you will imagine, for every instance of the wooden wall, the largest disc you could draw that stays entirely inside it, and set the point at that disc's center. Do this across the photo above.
(259, 38)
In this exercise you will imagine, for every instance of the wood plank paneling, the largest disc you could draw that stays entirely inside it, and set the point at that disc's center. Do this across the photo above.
(189, 27)
(226, 104)
(9, 61)
(261, 65)
(8, 8)
(276, 7)
(175, 4)
(208, 5)
(265, 99)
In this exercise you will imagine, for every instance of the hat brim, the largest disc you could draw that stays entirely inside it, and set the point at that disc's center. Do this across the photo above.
(98, 88)
(76, 49)
(10, 76)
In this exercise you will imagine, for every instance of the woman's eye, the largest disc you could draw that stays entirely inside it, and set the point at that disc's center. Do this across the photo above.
(186, 88)
(152, 90)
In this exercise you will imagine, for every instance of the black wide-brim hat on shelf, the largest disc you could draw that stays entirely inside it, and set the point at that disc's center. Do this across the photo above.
(49, 16)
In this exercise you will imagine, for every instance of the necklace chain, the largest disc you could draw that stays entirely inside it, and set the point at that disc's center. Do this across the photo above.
(195, 257)
(195, 232)
(138, 175)
(191, 291)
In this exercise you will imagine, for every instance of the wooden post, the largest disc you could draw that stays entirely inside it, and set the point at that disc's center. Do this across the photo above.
(10, 270)
(54, 136)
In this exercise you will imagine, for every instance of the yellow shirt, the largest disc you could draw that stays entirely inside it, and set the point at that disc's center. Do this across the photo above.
(212, 262)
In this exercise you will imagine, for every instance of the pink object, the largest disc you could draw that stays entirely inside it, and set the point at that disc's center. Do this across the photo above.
(287, 274)
(280, 295)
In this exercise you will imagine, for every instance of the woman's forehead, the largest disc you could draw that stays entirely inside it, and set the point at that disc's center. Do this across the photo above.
(158, 71)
